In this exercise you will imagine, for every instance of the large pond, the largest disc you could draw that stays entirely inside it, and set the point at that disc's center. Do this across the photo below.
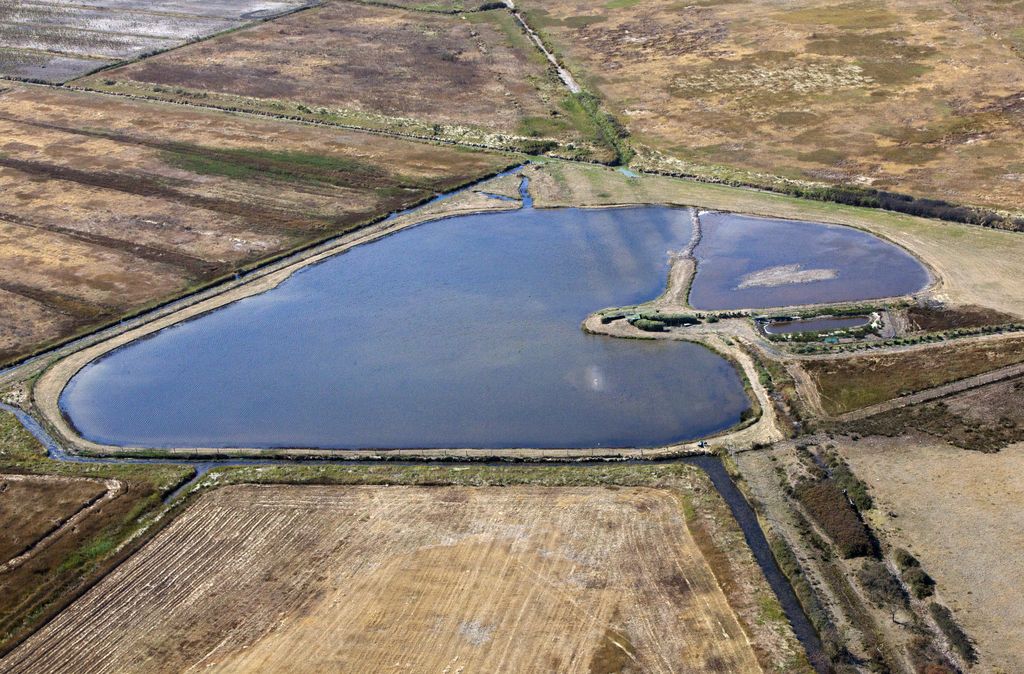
(460, 333)
(465, 332)
(749, 262)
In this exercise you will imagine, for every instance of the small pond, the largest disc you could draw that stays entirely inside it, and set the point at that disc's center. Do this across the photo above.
(464, 332)
(819, 324)
(750, 262)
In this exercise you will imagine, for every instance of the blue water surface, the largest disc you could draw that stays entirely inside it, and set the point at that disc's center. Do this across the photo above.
(459, 333)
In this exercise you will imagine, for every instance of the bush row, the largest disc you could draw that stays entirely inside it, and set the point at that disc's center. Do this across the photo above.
(823, 624)
(933, 337)
(957, 637)
(904, 203)
(830, 508)
(920, 583)
(855, 490)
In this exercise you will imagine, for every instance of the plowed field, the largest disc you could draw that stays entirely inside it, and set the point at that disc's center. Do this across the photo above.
(454, 579)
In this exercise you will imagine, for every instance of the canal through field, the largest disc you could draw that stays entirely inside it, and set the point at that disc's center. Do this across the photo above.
(712, 465)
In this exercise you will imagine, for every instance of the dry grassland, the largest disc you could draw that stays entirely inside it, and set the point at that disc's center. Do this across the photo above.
(959, 513)
(54, 41)
(470, 77)
(110, 204)
(977, 266)
(917, 96)
(524, 579)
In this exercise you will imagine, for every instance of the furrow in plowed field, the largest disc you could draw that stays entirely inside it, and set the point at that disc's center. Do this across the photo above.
(523, 579)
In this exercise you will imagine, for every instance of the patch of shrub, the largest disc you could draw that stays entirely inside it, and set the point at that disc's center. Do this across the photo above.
(608, 318)
(855, 490)
(671, 319)
(920, 583)
(830, 508)
(536, 146)
(648, 325)
(957, 637)
(904, 559)
(881, 585)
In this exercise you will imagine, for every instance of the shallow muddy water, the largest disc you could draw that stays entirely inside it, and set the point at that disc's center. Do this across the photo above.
(750, 262)
(822, 324)
(459, 333)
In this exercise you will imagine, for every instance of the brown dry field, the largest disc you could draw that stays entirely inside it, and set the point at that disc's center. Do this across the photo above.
(111, 204)
(473, 70)
(290, 578)
(984, 419)
(846, 384)
(959, 513)
(917, 96)
(32, 507)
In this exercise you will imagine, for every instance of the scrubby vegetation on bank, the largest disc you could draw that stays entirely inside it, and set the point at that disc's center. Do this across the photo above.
(828, 505)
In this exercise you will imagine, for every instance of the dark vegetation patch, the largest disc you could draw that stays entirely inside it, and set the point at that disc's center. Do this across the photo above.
(869, 197)
(920, 583)
(854, 489)
(931, 318)
(830, 508)
(883, 588)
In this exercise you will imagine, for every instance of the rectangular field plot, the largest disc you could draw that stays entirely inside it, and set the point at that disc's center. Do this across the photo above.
(517, 579)
(959, 513)
(111, 204)
(31, 508)
(53, 41)
(471, 77)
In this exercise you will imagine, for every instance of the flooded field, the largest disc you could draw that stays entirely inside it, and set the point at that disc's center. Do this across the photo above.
(53, 41)
(460, 333)
(750, 262)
